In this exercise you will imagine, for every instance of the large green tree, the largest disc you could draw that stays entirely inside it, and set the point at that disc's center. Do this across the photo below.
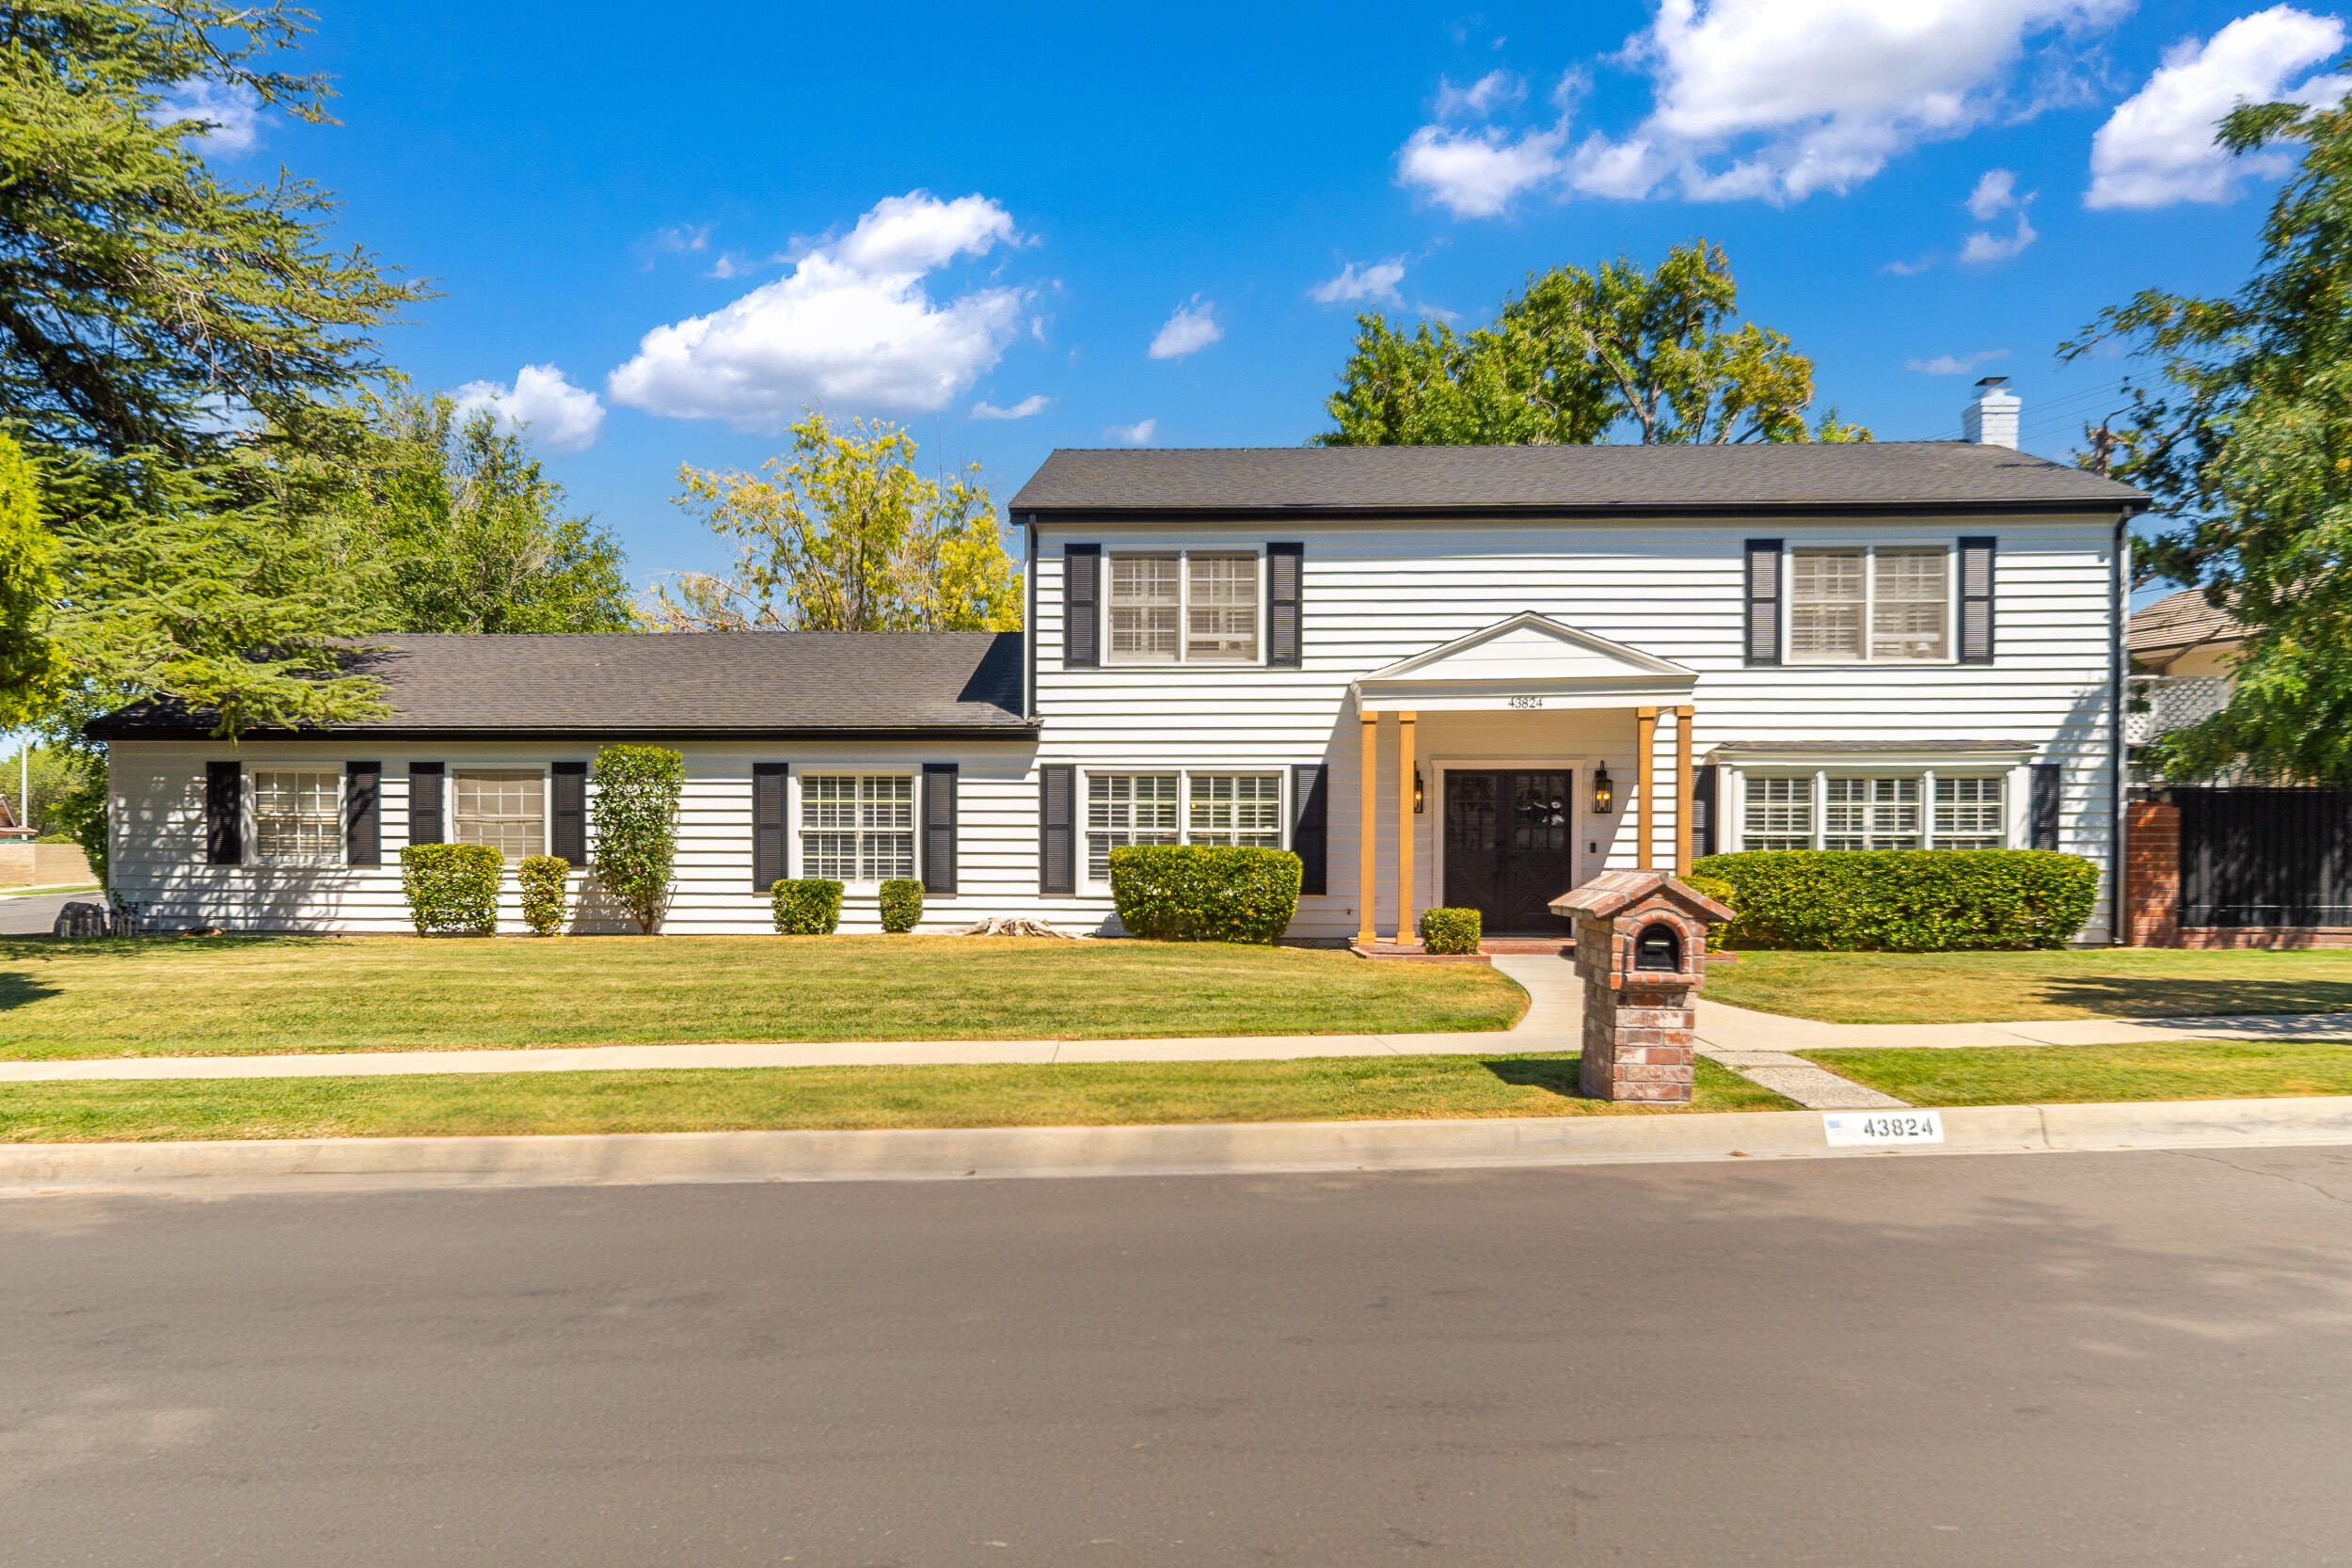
(2243, 434)
(1581, 356)
(845, 534)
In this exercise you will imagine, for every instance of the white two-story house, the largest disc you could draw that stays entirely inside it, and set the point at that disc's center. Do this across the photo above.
(1456, 675)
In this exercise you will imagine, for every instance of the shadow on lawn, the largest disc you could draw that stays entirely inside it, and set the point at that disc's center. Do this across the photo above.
(2128, 996)
(1554, 1074)
(22, 990)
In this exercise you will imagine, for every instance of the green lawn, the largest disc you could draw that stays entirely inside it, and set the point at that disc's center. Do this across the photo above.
(996, 1095)
(238, 995)
(2029, 1075)
(1968, 988)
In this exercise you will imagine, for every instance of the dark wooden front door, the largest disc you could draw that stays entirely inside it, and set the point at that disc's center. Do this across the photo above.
(1507, 847)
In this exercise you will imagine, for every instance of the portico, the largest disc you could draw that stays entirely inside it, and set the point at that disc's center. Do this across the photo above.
(1499, 758)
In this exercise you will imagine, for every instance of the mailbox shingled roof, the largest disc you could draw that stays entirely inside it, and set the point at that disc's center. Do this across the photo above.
(1612, 892)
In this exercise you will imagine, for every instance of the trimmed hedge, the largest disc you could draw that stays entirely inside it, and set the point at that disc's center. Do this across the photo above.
(1204, 892)
(807, 907)
(635, 812)
(902, 904)
(452, 887)
(1906, 901)
(1720, 891)
(1452, 932)
(544, 881)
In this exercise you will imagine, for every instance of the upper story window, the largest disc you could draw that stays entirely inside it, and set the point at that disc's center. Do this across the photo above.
(1869, 603)
(1183, 608)
(297, 814)
(503, 807)
(858, 827)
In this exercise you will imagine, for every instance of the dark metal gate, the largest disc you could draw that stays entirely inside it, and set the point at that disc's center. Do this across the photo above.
(2266, 857)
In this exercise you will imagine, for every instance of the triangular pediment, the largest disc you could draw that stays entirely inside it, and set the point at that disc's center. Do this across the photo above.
(1528, 646)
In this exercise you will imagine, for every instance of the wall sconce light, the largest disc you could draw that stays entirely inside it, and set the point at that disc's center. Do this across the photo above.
(1417, 792)
(1604, 793)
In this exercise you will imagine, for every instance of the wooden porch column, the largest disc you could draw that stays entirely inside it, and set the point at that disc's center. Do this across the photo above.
(1367, 841)
(1646, 726)
(1682, 790)
(1405, 933)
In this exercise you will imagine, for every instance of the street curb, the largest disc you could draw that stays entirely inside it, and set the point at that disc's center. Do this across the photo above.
(361, 1165)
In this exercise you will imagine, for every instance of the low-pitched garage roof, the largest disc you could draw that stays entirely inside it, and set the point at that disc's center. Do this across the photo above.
(622, 684)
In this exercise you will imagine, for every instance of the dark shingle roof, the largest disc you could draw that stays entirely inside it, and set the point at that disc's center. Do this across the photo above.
(2182, 620)
(627, 683)
(1793, 475)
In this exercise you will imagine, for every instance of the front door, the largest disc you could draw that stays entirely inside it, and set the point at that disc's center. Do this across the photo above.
(1507, 847)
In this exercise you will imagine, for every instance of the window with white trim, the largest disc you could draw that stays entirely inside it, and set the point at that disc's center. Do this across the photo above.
(1235, 810)
(1869, 603)
(297, 814)
(1183, 608)
(1879, 811)
(505, 808)
(857, 827)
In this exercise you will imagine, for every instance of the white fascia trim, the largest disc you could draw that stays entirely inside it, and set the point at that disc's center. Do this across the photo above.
(1998, 754)
(1525, 618)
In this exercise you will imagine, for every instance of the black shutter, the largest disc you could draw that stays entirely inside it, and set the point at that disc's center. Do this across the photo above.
(1081, 621)
(770, 836)
(1057, 833)
(939, 827)
(1703, 787)
(1310, 838)
(1763, 599)
(1286, 564)
(2046, 776)
(1975, 600)
(224, 813)
(363, 814)
(424, 803)
(567, 836)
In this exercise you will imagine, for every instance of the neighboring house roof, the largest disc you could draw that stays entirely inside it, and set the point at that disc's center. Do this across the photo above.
(1790, 476)
(618, 684)
(2179, 622)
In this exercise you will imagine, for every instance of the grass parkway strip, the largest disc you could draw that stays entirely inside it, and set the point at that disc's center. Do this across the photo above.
(2001, 988)
(2081, 1074)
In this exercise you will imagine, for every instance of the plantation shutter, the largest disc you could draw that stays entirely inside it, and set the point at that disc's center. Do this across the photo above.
(939, 827)
(224, 813)
(424, 803)
(770, 835)
(567, 836)
(1284, 565)
(1058, 836)
(1763, 600)
(1975, 600)
(1703, 787)
(2046, 778)
(1310, 836)
(1081, 621)
(363, 814)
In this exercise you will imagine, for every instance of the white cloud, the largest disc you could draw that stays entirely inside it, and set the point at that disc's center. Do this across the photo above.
(1996, 194)
(558, 416)
(1984, 246)
(231, 110)
(2157, 148)
(1482, 97)
(1476, 173)
(1955, 364)
(1192, 328)
(1137, 435)
(1372, 280)
(1035, 403)
(1775, 100)
(851, 322)
(1911, 268)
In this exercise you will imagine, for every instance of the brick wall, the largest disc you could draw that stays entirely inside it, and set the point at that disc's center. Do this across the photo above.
(2152, 874)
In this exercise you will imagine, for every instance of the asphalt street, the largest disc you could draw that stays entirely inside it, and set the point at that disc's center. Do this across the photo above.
(2124, 1358)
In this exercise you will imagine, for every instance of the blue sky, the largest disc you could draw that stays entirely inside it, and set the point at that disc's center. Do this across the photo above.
(916, 212)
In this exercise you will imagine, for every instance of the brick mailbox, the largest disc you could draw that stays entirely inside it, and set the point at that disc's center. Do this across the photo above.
(1641, 946)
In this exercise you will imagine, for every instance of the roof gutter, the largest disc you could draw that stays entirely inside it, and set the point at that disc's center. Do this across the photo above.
(587, 734)
(1093, 515)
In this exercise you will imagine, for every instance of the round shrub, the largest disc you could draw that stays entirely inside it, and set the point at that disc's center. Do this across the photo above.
(1906, 901)
(452, 887)
(545, 880)
(636, 820)
(1720, 891)
(1204, 892)
(901, 905)
(1452, 931)
(806, 907)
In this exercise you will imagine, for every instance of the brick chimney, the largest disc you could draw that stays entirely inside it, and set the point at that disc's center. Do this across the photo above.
(1992, 420)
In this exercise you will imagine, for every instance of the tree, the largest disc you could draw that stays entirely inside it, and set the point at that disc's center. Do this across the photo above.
(636, 822)
(53, 774)
(32, 668)
(2245, 441)
(844, 535)
(1579, 356)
